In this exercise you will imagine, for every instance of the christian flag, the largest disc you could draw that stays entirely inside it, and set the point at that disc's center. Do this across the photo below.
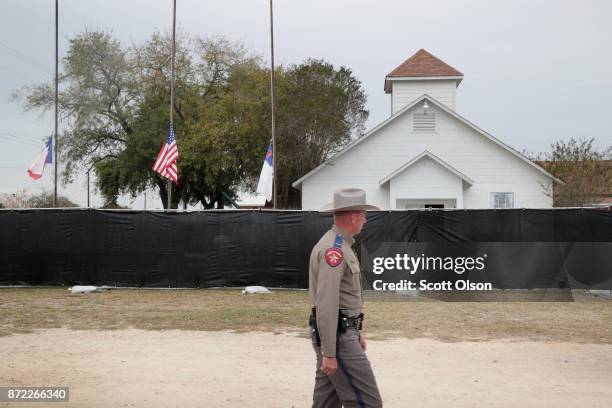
(264, 187)
(46, 156)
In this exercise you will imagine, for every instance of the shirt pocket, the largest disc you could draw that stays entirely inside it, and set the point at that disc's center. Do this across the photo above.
(355, 269)
(354, 266)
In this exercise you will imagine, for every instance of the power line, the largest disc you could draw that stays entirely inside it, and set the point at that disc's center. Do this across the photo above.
(29, 144)
(9, 70)
(17, 54)
(22, 142)
(4, 132)
(20, 137)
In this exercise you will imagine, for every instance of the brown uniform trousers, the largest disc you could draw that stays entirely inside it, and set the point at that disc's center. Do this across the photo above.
(353, 384)
(335, 285)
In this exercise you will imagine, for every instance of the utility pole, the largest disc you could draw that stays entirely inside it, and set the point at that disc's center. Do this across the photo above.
(88, 187)
(89, 171)
(274, 152)
(56, 144)
(172, 90)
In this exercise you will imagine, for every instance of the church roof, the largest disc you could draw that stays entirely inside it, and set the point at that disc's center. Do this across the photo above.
(329, 162)
(421, 64)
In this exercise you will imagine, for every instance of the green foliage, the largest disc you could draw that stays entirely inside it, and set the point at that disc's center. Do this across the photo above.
(115, 107)
(586, 172)
(319, 110)
(18, 199)
(45, 200)
(21, 199)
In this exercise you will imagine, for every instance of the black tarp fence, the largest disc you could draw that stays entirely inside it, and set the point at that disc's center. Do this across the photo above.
(272, 248)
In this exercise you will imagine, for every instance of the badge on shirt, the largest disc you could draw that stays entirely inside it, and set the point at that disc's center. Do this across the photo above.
(333, 257)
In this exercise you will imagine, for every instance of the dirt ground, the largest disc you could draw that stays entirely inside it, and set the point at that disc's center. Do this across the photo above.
(174, 368)
(204, 348)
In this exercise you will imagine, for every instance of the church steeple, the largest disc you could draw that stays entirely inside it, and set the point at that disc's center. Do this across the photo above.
(421, 74)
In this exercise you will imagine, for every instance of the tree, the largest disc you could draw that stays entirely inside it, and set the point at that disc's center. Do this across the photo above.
(319, 110)
(18, 199)
(586, 172)
(115, 107)
(45, 200)
(21, 199)
(99, 94)
(114, 103)
(210, 165)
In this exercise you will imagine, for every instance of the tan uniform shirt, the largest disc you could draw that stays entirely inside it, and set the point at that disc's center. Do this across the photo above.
(334, 283)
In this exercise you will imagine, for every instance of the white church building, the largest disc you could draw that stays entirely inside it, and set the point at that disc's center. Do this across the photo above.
(426, 155)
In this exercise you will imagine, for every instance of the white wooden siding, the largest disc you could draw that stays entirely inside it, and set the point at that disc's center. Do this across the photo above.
(426, 179)
(491, 167)
(404, 92)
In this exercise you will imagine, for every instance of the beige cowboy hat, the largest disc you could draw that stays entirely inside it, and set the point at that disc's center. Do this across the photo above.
(348, 199)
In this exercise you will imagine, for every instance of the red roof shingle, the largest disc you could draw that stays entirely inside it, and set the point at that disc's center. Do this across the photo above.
(421, 64)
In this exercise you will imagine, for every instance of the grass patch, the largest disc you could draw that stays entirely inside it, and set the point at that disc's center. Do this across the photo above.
(23, 310)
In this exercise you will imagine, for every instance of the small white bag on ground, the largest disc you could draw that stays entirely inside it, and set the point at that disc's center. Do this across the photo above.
(600, 293)
(82, 289)
(256, 289)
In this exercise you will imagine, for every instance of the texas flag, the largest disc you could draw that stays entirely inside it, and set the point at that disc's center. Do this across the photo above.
(46, 156)
(264, 186)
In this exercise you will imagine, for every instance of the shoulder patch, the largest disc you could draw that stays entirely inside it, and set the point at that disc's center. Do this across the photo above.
(334, 256)
(338, 241)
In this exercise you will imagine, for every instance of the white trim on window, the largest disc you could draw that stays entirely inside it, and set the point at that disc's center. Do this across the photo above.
(502, 200)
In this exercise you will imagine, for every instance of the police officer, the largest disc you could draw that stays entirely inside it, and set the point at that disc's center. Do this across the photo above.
(344, 375)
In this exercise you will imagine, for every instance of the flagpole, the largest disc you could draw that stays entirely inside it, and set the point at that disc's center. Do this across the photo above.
(55, 145)
(274, 152)
(172, 90)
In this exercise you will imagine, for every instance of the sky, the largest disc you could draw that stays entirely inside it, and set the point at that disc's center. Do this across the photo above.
(535, 71)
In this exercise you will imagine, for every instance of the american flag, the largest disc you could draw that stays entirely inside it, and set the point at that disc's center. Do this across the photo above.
(165, 164)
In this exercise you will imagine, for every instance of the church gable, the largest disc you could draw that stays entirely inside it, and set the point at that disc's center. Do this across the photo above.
(424, 157)
(474, 164)
(403, 123)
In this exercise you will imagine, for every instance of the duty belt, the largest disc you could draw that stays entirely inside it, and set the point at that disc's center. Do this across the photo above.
(353, 322)
(344, 322)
